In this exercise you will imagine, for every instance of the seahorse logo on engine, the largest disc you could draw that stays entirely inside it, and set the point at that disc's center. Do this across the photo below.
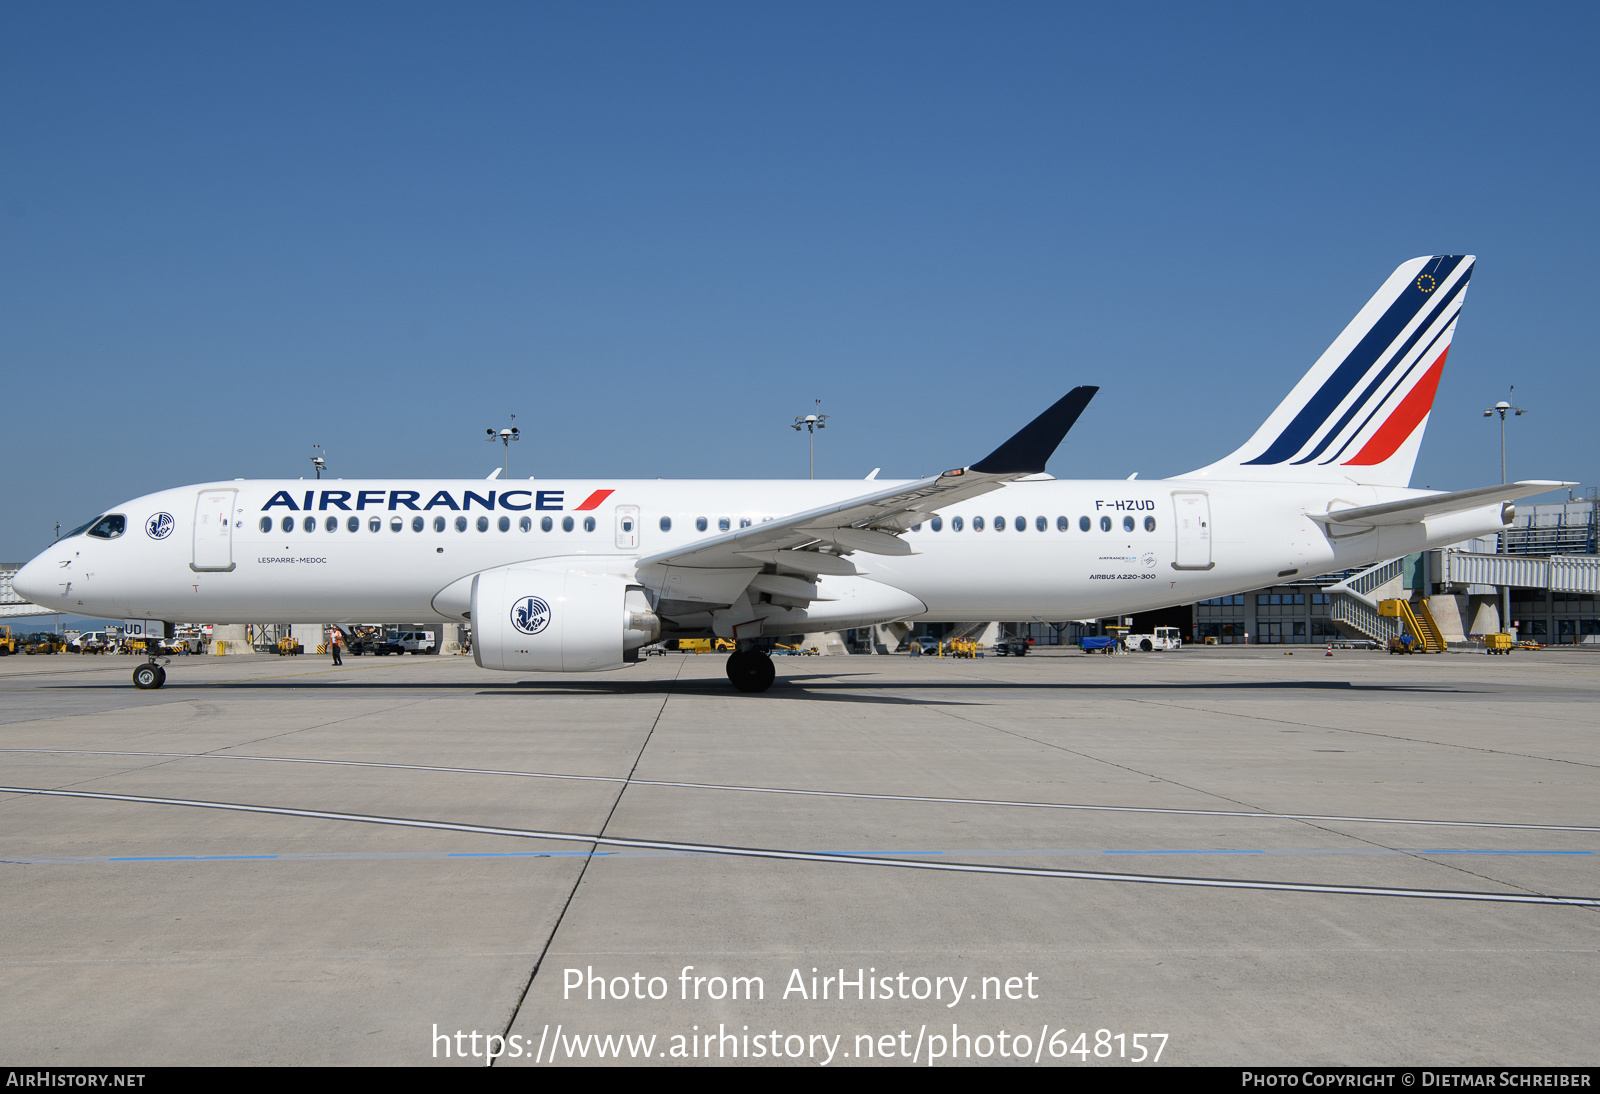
(530, 615)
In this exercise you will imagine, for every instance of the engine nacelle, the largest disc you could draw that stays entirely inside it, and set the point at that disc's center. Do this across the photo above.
(526, 618)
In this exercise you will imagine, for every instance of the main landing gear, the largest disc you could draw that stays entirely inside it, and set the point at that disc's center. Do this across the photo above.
(149, 676)
(751, 670)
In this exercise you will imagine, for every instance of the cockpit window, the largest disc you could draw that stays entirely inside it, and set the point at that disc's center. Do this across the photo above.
(109, 527)
(78, 531)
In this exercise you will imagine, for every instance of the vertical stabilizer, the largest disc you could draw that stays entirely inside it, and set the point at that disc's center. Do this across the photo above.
(1359, 414)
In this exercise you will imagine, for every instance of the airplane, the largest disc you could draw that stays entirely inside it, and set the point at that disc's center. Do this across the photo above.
(578, 575)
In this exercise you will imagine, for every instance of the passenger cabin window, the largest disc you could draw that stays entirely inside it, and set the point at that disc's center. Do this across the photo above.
(504, 524)
(1083, 524)
(438, 523)
(1105, 524)
(526, 524)
(483, 524)
(331, 524)
(461, 524)
(266, 524)
(666, 524)
(1127, 524)
(418, 524)
(396, 524)
(723, 524)
(353, 524)
(744, 522)
(1063, 524)
(1149, 524)
(374, 524)
(699, 524)
(545, 524)
(310, 524)
(588, 524)
(288, 524)
(566, 524)
(955, 524)
(977, 524)
(1041, 524)
(937, 524)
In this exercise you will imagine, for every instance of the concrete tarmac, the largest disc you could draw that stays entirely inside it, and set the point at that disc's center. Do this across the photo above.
(1228, 856)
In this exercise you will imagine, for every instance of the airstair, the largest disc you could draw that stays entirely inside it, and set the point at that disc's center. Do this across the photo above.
(1355, 612)
(1418, 621)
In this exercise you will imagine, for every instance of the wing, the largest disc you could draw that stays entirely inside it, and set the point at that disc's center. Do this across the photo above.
(1413, 510)
(815, 542)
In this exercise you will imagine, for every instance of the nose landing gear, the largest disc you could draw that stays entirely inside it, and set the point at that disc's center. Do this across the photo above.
(149, 676)
(751, 670)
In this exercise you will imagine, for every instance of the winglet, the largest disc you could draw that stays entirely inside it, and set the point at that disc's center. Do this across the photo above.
(1034, 444)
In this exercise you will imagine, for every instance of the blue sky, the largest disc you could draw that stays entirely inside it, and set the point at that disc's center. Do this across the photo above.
(657, 232)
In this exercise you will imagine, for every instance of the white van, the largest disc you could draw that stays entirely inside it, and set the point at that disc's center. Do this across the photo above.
(411, 641)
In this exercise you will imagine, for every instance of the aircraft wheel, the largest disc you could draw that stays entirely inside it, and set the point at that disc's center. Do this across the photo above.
(149, 677)
(751, 671)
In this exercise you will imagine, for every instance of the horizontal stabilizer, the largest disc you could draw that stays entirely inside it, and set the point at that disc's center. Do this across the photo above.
(1415, 510)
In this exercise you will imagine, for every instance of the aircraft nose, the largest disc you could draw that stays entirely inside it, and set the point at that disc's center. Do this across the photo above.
(30, 581)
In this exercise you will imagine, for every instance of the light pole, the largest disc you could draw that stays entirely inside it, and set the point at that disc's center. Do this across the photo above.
(505, 437)
(317, 461)
(811, 423)
(1503, 408)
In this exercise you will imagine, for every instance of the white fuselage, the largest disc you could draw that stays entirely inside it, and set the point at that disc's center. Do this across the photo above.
(405, 551)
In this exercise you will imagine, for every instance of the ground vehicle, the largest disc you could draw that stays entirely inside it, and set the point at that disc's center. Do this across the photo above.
(698, 645)
(373, 640)
(1011, 647)
(8, 644)
(41, 642)
(1499, 642)
(922, 646)
(1108, 643)
(1405, 644)
(412, 641)
(91, 642)
(1164, 638)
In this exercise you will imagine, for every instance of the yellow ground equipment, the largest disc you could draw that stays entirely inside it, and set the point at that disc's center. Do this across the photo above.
(700, 645)
(1418, 621)
(287, 646)
(8, 644)
(1498, 643)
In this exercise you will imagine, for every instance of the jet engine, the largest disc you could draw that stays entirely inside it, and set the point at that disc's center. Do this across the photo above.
(541, 620)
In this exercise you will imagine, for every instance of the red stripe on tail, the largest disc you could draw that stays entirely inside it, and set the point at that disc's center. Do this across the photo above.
(1405, 419)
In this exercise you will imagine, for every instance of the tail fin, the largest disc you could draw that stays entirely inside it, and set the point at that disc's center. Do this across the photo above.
(1359, 414)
